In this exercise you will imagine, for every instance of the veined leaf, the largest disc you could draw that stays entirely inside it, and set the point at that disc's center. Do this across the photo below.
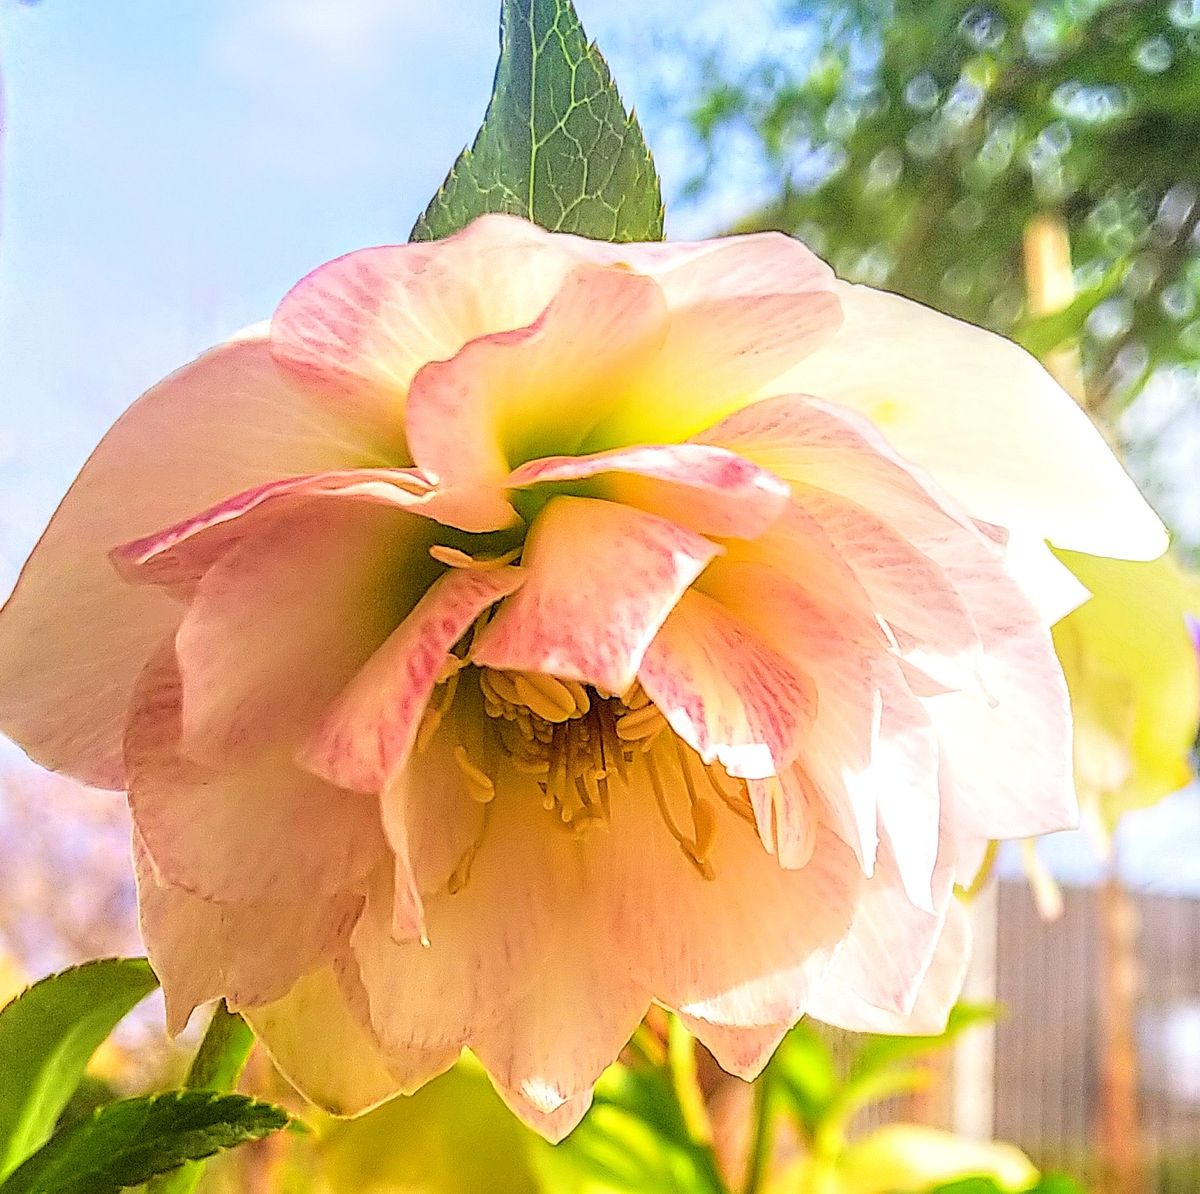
(217, 1066)
(47, 1035)
(557, 145)
(127, 1143)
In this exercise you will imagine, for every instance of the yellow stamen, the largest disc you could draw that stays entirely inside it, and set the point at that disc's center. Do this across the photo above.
(479, 786)
(453, 558)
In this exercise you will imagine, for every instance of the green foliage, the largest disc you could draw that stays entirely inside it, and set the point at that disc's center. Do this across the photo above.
(1050, 1183)
(126, 1143)
(556, 146)
(633, 1139)
(915, 144)
(47, 1036)
(217, 1066)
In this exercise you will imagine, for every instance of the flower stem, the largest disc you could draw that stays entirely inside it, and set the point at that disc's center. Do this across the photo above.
(681, 1056)
(763, 1132)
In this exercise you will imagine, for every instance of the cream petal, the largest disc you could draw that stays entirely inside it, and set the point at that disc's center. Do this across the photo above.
(742, 1052)
(837, 1003)
(705, 489)
(549, 1048)
(284, 619)
(73, 636)
(488, 942)
(985, 419)
(725, 692)
(741, 949)
(602, 579)
(251, 954)
(330, 1056)
(365, 737)
(267, 832)
(517, 395)
(363, 325)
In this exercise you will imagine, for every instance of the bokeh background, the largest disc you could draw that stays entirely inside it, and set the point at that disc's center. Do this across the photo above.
(170, 170)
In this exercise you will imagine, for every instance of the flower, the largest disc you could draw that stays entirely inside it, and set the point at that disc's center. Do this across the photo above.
(523, 629)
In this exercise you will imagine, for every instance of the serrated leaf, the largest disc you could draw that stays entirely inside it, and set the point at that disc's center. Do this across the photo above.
(127, 1143)
(48, 1034)
(217, 1066)
(557, 146)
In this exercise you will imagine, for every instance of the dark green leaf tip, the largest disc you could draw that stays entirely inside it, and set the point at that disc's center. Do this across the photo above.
(557, 145)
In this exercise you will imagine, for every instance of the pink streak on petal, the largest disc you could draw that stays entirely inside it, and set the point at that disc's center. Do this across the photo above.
(742, 1052)
(73, 636)
(264, 832)
(365, 737)
(602, 579)
(360, 327)
(726, 693)
(708, 490)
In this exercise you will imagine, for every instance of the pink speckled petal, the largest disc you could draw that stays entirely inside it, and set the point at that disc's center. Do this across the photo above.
(365, 737)
(284, 619)
(742, 1052)
(73, 636)
(359, 328)
(705, 489)
(727, 694)
(249, 953)
(510, 396)
(602, 579)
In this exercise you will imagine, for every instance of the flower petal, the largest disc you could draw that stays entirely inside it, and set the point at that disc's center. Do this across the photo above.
(284, 619)
(837, 1002)
(602, 579)
(705, 489)
(267, 832)
(365, 737)
(249, 953)
(323, 1049)
(741, 949)
(727, 694)
(363, 325)
(517, 395)
(742, 1052)
(985, 419)
(73, 636)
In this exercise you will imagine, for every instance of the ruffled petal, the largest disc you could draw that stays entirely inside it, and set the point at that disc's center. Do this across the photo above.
(549, 1048)
(73, 636)
(365, 737)
(602, 579)
(249, 953)
(726, 693)
(267, 832)
(742, 1052)
(741, 949)
(362, 326)
(284, 619)
(924, 1013)
(705, 489)
(517, 395)
(985, 419)
(326, 1052)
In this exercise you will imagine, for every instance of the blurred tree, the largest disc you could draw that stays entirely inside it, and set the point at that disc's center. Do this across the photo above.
(919, 140)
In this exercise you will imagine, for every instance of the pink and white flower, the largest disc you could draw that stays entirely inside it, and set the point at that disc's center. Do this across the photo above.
(524, 629)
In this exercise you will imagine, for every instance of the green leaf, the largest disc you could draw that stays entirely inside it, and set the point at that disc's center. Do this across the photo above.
(127, 1143)
(217, 1066)
(47, 1035)
(878, 1052)
(808, 1077)
(557, 145)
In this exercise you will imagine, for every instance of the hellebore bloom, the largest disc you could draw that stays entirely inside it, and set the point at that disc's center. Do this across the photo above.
(524, 629)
